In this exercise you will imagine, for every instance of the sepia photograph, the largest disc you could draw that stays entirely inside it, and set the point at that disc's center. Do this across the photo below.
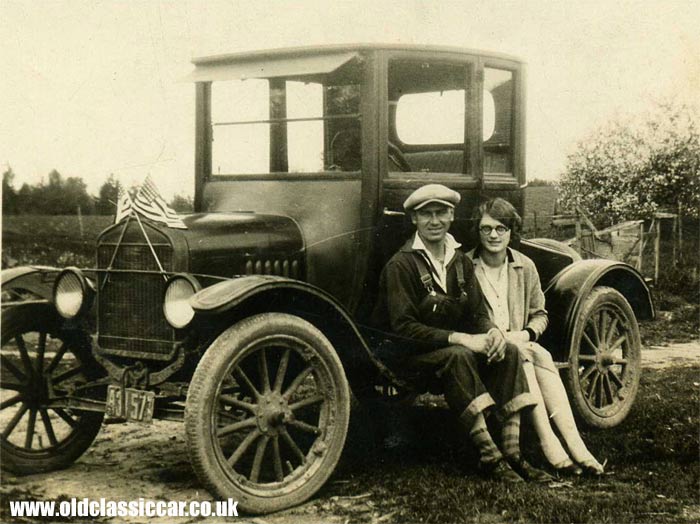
(350, 261)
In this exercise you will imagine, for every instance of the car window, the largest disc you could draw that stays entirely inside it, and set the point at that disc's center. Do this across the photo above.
(498, 114)
(285, 125)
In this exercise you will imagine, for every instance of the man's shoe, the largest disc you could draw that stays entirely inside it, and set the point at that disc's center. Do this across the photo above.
(529, 472)
(502, 471)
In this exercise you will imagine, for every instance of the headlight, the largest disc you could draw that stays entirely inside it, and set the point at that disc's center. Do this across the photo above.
(176, 305)
(72, 293)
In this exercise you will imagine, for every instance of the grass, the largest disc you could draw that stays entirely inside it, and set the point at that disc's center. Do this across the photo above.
(653, 470)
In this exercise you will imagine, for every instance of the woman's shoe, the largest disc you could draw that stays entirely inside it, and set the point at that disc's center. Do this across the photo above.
(570, 470)
(592, 468)
(500, 470)
(528, 471)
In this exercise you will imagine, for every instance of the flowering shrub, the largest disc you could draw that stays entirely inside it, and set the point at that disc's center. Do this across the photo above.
(630, 168)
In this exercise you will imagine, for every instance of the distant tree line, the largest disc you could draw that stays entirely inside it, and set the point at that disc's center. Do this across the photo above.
(61, 195)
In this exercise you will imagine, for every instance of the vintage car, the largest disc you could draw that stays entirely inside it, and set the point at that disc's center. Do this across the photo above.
(251, 325)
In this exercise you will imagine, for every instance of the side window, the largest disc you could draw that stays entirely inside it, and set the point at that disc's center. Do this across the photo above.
(498, 121)
(426, 116)
(278, 125)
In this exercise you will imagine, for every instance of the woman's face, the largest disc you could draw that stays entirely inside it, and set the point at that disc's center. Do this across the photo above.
(494, 235)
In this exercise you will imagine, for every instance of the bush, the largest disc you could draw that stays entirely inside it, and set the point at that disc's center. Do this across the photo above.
(630, 168)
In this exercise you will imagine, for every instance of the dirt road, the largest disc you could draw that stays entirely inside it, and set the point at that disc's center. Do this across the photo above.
(129, 461)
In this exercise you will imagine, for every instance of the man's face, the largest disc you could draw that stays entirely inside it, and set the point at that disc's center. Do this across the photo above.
(433, 221)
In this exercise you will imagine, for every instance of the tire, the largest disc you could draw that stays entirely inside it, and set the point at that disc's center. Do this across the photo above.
(604, 359)
(36, 437)
(270, 379)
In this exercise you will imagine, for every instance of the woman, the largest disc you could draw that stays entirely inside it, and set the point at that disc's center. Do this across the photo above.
(514, 299)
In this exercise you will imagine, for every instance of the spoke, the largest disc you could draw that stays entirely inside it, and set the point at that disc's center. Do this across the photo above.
(244, 378)
(587, 358)
(293, 445)
(591, 387)
(12, 369)
(607, 388)
(244, 445)
(10, 401)
(612, 330)
(69, 373)
(596, 334)
(66, 417)
(303, 426)
(262, 370)
(227, 415)
(309, 401)
(620, 361)
(15, 419)
(41, 349)
(57, 358)
(590, 342)
(586, 374)
(277, 458)
(232, 428)
(30, 429)
(49, 428)
(603, 327)
(618, 343)
(600, 392)
(282, 370)
(257, 461)
(24, 355)
(615, 378)
(233, 401)
(297, 382)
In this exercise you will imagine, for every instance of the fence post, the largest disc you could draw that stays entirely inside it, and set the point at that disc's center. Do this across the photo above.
(641, 246)
(535, 223)
(680, 233)
(80, 223)
(657, 248)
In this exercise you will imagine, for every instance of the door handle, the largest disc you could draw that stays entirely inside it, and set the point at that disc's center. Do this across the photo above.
(390, 213)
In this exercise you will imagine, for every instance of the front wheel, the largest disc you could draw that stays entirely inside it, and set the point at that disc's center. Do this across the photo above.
(604, 359)
(267, 413)
(41, 363)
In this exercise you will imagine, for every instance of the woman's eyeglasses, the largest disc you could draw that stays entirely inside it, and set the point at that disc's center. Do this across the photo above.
(500, 230)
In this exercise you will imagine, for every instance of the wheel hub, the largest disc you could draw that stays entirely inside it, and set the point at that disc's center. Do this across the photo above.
(272, 412)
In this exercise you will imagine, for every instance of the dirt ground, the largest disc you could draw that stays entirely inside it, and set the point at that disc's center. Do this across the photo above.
(129, 461)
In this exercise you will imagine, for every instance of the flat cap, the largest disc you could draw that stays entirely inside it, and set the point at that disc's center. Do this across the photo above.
(431, 193)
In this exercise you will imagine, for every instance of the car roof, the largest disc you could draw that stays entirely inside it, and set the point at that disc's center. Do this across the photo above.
(292, 52)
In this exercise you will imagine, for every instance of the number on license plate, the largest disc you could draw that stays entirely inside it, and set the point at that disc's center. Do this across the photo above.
(130, 404)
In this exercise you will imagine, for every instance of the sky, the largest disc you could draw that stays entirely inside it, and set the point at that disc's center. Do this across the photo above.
(95, 87)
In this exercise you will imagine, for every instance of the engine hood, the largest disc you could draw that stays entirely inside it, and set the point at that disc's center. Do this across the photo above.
(224, 244)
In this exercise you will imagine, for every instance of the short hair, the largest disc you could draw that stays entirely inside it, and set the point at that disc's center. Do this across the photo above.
(501, 210)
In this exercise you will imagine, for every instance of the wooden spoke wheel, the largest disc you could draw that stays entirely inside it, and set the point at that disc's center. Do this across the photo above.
(604, 359)
(40, 363)
(267, 412)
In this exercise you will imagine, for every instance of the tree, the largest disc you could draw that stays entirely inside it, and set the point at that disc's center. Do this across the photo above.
(9, 194)
(108, 195)
(631, 168)
(182, 204)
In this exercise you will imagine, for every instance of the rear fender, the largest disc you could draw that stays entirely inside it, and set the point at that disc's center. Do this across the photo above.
(568, 289)
(242, 297)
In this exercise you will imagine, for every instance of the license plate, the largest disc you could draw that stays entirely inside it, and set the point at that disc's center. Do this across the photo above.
(130, 404)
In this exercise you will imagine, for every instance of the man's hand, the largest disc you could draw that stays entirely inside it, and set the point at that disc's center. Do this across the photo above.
(496, 346)
(476, 343)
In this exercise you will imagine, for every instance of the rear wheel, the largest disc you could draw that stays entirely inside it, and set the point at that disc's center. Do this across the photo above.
(41, 362)
(267, 413)
(604, 359)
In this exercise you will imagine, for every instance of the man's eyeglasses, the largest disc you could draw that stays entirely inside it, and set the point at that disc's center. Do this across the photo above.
(500, 230)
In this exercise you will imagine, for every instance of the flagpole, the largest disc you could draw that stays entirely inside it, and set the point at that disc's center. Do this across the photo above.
(153, 251)
(114, 255)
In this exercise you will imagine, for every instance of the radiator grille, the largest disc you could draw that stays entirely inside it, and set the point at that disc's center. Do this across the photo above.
(130, 315)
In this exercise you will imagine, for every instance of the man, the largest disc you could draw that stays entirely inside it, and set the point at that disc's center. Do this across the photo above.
(442, 334)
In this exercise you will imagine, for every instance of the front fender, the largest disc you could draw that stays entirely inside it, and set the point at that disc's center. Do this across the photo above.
(249, 295)
(35, 280)
(568, 289)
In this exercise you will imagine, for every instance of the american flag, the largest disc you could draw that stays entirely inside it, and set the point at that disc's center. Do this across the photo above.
(124, 206)
(150, 204)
